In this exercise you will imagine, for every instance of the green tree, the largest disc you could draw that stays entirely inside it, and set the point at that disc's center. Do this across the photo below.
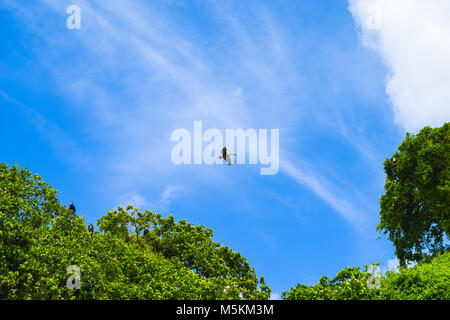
(415, 210)
(40, 239)
(188, 244)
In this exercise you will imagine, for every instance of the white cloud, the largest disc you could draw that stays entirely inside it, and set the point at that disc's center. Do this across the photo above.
(167, 197)
(412, 38)
(275, 296)
(163, 202)
(134, 199)
(392, 265)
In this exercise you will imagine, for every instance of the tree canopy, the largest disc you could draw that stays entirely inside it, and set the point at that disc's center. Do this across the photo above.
(415, 210)
(133, 255)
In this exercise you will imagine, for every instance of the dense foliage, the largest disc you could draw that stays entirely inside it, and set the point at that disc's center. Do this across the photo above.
(349, 284)
(415, 210)
(40, 239)
(425, 281)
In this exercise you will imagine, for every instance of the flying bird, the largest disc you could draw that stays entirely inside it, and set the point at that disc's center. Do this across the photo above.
(226, 156)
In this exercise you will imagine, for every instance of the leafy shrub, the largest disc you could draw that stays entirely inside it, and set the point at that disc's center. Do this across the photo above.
(425, 281)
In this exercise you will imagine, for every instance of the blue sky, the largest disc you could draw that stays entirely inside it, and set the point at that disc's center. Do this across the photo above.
(92, 112)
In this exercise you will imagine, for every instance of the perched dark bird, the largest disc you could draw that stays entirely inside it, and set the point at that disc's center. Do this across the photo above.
(226, 156)
(91, 228)
(72, 207)
(145, 232)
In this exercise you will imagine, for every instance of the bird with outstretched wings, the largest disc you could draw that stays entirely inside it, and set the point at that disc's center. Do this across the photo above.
(226, 156)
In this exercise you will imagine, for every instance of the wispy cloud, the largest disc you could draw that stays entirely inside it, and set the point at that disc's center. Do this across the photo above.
(328, 192)
(167, 197)
(63, 146)
(161, 204)
(139, 74)
(134, 199)
(169, 80)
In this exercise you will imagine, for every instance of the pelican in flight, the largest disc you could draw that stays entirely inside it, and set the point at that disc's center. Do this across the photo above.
(226, 156)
